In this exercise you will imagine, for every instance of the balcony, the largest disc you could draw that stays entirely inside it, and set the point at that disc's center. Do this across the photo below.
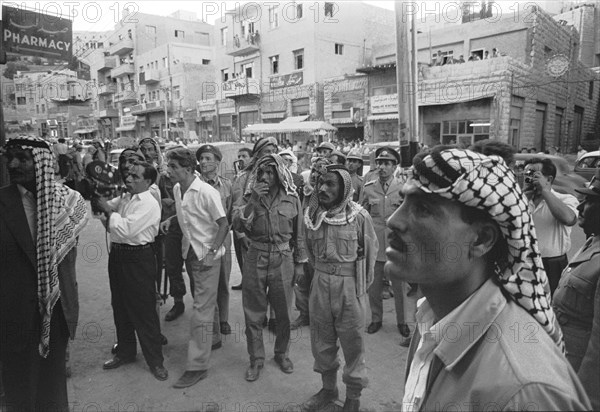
(241, 88)
(150, 77)
(124, 46)
(243, 45)
(123, 70)
(150, 107)
(106, 113)
(107, 89)
(127, 96)
(108, 63)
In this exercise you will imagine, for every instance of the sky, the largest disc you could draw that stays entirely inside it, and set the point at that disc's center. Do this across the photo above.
(102, 15)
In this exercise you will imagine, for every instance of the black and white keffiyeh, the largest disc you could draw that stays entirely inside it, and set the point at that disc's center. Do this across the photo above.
(488, 184)
(61, 216)
(285, 176)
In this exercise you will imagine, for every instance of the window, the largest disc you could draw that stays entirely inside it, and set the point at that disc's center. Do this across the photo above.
(37, 108)
(224, 36)
(247, 28)
(299, 11)
(273, 17)
(339, 49)
(164, 60)
(274, 60)
(180, 34)
(224, 75)
(142, 98)
(301, 107)
(299, 59)
(547, 52)
(247, 70)
(329, 9)
(591, 90)
(176, 92)
(384, 90)
(205, 61)
(151, 30)
(43, 108)
(21, 100)
(142, 69)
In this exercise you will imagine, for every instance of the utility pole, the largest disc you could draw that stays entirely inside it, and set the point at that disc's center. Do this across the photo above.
(403, 82)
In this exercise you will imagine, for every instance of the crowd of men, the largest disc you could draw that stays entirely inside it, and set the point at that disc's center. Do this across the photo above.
(454, 237)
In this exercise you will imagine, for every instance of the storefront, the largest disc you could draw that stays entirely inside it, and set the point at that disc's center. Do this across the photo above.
(127, 126)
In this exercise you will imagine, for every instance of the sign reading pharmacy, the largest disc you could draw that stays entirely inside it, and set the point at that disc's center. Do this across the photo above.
(28, 33)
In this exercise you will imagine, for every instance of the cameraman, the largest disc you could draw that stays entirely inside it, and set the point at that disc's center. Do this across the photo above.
(553, 214)
(132, 220)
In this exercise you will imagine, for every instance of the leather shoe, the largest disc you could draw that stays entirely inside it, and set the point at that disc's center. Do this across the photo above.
(190, 378)
(374, 327)
(175, 312)
(299, 322)
(225, 328)
(351, 405)
(321, 399)
(253, 371)
(116, 361)
(159, 372)
(217, 345)
(285, 364)
(405, 341)
(237, 287)
(403, 329)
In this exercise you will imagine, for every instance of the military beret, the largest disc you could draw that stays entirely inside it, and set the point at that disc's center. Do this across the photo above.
(208, 148)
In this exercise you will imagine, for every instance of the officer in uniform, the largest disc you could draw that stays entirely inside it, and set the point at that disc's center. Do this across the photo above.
(354, 162)
(325, 149)
(381, 197)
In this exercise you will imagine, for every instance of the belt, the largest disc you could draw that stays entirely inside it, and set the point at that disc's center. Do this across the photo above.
(270, 247)
(337, 269)
(124, 246)
(563, 256)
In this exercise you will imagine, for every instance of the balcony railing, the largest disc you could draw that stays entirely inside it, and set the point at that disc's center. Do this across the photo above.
(124, 46)
(243, 45)
(127, 96)
(150, 77)
(108, 112)
(150, 107)
(106, 89)
(108, 63)
(123, 70)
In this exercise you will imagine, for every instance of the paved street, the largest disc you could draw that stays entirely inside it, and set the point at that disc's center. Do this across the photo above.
(133, 388)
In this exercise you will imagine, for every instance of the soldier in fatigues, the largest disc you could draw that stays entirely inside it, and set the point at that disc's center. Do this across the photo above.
(342, 245)
(354, 162)
(381, 197)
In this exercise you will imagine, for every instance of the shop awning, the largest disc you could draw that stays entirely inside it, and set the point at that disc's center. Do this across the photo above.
(384, 116)
(84, 131)
(290, 127)
(273, 115)
(294, 119)
(127, 128)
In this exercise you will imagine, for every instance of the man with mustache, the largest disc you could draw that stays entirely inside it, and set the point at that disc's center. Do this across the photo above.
(342, 247)
(271, 217)
(486, 333)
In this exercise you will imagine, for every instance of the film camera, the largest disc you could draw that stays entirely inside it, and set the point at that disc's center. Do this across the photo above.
(101, 181)
(529, 175)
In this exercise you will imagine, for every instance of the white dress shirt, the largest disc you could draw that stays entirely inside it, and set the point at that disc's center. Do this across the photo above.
(135, 220)
(197, 213)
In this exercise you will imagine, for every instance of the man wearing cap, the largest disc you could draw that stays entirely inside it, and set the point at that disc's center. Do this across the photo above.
(381, 197)
(209, 158)
(244, 155)
(342, 246)
(354, 162)
(99, 153)
(337, 157)
(486, 336)
(553, 213)
(40, 222)
(270, 214)
(204, 224)
(325, 149)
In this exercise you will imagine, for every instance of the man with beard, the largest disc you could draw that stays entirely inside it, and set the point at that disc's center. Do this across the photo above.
(342, 245)
(487, 335)
(40, 221)
(270, 215)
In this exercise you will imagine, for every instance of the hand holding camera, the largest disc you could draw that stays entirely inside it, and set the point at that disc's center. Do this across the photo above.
(536, 179)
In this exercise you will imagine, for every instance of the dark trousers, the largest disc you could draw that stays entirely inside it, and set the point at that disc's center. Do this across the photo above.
(34, 383)
(554, 267)
(302, 289)
(133, 288)
(174, 260)
(240, 251)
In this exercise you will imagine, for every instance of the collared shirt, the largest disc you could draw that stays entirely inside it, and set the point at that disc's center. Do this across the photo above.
(554, 238)
(225, 190)
(30, 206)
(135, 220)
(197, 214)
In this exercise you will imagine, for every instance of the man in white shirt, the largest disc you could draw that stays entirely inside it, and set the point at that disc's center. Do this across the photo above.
(132, 221)
(204, 225)
(486, 336)
(553, 214)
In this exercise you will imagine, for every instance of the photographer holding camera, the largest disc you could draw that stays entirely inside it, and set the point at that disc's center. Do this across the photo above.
(553, 214)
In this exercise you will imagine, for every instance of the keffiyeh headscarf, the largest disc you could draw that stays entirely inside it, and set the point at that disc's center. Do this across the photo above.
(340, 214)
(285, 176)
(486, 183)
(61, 216)
(291, 155)
(160, 165)
(130, 152)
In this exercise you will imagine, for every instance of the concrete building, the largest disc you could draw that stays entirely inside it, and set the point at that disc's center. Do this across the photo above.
(148, 74)
(536, 94)
(272, 60)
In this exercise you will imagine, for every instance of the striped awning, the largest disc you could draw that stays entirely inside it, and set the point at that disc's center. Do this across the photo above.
(384, 116)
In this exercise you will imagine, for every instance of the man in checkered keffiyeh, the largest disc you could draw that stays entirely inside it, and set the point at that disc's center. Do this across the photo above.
(464, 234)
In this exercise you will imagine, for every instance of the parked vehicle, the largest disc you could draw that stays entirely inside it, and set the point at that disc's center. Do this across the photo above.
(587, 165)
(566, 180)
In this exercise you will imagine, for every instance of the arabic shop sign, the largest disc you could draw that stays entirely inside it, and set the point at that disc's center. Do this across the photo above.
(28, 33)
(294, 79)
